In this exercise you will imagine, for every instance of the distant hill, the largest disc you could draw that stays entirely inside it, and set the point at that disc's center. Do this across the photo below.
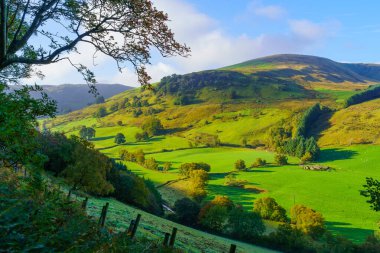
(71, 97)
(305, 68)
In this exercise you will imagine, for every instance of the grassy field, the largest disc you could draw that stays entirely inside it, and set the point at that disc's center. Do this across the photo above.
(335, 194)
(120, 215)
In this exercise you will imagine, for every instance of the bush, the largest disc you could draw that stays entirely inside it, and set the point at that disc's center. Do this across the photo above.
(186, 211)
(101, 112)
(153, 126)
(269, 209)
(119, 138)
(259, 163)
(142, 136)
(198, 180)
(215, 218)
(240, 165)
(244, 225)
(167, 166)
(151, 164)
(186, 168)
(233, 182)
(280, 159)
(307, 220)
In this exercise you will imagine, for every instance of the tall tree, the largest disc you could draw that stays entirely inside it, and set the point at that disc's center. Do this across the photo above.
(125, 30)
(372, 191)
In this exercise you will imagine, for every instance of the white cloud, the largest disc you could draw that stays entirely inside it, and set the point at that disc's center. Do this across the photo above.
(267, 11)
(212, 47)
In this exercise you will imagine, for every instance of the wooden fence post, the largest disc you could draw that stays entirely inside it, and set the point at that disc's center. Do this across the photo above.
(104, 214)
(172, 237)
(84, 203)
(166, 239)
(101, 215)
(131, 227)
(135, 225)
(233, 248)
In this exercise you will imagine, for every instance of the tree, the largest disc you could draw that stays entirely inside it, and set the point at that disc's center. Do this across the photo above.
(240, 165)
(186, 168)
(151, 164)
(119, 138)
(269, 209)
(280, 159)
(101, 112)
(215, 218)
(197, 184)
(186, 211)
(372, 191)
(167, 166)
(89, 170)
(152, 126)
(142, 136)
(245, 225)
(307, 220)
(18, 117)
(123, 30)
(87, 132)
(259, 163)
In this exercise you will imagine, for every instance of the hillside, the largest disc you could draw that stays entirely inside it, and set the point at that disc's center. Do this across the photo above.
(237, 106)
(71, 97)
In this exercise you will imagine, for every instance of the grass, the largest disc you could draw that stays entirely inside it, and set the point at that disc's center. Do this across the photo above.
(120, 215)
(334, 194)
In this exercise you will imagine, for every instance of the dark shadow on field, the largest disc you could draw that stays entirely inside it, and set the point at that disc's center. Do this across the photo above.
(103, 138)
(357, 235)
(238, 195)
(215, 176)
(333, 154)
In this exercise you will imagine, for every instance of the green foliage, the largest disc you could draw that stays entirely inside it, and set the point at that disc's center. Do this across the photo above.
(182, 100)
(144, 136)
(280, 159)
(308, 118)
(259, 163)
(134, 190)
(197, 184)
(244, 225)
(101, 112)
(18, 123)
(186, 211)
(151, 164)
(186, 168)
(152, 126)
(233, 182)
(87, 132)
(269, 209)
(119, 138)
(307, 220)
(137, 157)
(300, 146)
(209, 140)
(240, 165)
(215, 218)
(89, 169)
(369, 94)
(167, 166)
(372, 191)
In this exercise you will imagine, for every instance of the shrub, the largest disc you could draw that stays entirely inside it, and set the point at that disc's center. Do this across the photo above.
(281, 159)
(244, 225)
(151, 164)
(198, 180)
(269, 209)
(240, 165)
(119, 123)
(186, 211)
(101, 112)
(153, 126)
(119, 138)
(215, 218)
(307, 220)
(142, 136)
(259, 163)
(186, 168)
(233, 182)
(167, 166)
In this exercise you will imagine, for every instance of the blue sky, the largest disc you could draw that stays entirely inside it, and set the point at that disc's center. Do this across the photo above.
(225, 32)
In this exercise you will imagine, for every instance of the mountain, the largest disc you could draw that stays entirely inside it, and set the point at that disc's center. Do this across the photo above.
(305, 68)
(71, 97)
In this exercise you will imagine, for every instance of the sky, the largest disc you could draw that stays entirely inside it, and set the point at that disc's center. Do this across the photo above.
(226, 32)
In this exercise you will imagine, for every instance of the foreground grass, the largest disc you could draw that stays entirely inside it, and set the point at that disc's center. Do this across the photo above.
(153, 227)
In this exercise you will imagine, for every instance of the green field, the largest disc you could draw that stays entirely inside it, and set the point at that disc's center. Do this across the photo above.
(120, 215)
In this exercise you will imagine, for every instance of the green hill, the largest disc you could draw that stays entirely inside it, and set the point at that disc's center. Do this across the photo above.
(238, 106)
